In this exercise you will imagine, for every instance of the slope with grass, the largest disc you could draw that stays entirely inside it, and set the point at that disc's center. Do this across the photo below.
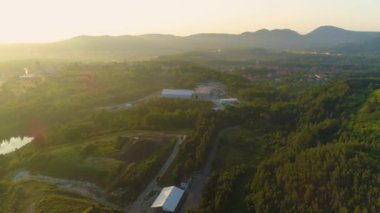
(117, 151)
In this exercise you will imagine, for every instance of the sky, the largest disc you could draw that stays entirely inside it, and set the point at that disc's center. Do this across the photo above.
(52, 20)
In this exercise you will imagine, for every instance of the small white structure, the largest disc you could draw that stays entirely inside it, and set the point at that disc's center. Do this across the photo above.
(177, 93)
(168, 199)
(27, 75)
(228, 101)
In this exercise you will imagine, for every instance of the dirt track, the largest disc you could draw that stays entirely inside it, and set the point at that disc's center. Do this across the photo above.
(195, 191)
(85, 189)
(142, 203)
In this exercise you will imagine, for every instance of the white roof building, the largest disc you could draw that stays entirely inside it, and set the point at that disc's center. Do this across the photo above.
(168, 199)
(228, 101)
(177, 93)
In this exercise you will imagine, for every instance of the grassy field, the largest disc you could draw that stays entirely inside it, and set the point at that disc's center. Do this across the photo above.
(112, 162)
(96, 160)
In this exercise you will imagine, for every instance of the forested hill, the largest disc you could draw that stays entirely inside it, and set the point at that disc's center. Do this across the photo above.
(370, 47)
(326, 159)
(135, 47)
(330, 162)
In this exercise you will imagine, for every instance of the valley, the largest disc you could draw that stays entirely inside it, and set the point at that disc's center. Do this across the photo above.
(106, 138)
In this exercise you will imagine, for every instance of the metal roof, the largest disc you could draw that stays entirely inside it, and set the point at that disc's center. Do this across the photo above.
(184, 92)
(168, 199)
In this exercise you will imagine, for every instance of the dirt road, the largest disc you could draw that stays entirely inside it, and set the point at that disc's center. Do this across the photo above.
(85, 189)
(144, 200)
(131, 104)
(195, 191)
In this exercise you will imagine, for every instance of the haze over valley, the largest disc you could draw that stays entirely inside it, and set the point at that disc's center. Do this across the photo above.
(126, 47)
(97, 114)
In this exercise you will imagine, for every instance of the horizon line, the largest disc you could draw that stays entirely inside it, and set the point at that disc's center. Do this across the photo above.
(167, 34)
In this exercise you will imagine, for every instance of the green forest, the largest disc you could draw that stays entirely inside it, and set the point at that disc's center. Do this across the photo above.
(303, 138)
(311, 152)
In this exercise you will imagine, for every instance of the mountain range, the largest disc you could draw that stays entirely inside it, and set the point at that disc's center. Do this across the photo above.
(126, 46)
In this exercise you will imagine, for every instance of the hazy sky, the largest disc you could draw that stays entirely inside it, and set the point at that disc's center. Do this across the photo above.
(48, 20)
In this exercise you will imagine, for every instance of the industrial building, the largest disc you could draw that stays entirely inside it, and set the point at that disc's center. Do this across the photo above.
(204, 93)
(177, 93)
(209, 91)
(168, 199)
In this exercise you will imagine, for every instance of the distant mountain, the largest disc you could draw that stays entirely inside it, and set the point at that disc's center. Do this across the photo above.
(125, 47)
(329, 36)
(274, 39)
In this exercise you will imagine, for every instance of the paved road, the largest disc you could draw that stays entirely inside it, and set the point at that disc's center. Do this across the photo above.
(195, 192)
(142, 203)
(129, 105)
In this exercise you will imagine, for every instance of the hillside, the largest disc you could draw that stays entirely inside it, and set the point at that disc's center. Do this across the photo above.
(290, 127)
(311, 151)
(83, 157)
(128, 47)
(330, 36)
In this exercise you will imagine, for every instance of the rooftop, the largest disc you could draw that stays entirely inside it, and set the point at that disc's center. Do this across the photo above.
(168, 199)
(177, 92)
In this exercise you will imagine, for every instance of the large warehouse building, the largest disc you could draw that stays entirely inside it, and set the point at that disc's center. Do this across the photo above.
(177, 93)
(168, 199)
